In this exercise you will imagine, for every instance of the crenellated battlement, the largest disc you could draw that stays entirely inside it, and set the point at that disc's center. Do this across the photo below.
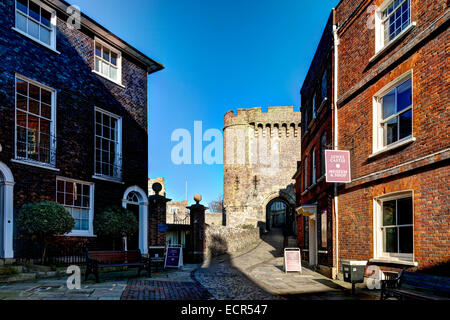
(283, 121)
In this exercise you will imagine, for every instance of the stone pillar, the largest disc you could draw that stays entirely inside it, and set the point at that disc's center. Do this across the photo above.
(197, 236)
(156, 216)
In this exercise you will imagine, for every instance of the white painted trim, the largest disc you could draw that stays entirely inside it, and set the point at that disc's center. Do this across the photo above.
(6, 212)
(80, 233)
(53, 21)
(378, 222)
(109, 79)
(104, 178)
(119, 61)
(34, 164)
(143, 215)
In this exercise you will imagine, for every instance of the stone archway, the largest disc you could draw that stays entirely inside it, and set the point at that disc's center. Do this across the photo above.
(278, 213)
(135, 196)
(6, 211)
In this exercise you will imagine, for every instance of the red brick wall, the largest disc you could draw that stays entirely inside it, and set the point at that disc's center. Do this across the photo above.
(431, 216)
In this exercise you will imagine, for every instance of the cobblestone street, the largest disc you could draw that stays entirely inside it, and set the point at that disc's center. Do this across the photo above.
(253, 274)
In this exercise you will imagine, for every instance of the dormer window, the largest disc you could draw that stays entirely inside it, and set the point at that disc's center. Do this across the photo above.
(108, 61)
(36, 21)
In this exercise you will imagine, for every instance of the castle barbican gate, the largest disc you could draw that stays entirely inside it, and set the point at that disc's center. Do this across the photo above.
(261, 154)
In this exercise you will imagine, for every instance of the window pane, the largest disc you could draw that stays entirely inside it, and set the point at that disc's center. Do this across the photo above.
(114, 58)
(406, 124)
(34, 92)
(45, 17)
(388, 103)
(21, 87)
(98, 50)
(106, 54)
(46, 96)
(113, 73)
(406, 239)
(21, 119)
(21, 22)
(33, 106)
(34, 11)
(105, 69)
(390, 241)
(391, 131)
(389, 213)
(404, 99)
(97, 64)
(405, 211)
(21, 102)
(22, 5)
(45, 35)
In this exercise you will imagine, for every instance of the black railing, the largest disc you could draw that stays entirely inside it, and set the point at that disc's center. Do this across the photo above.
(181, 219)
(57, 254)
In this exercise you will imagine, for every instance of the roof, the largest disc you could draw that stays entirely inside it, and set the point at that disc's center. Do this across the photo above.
(108, 36)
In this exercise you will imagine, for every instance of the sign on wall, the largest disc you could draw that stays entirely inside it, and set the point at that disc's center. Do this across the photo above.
(174, 257)
(292, 260)
(337, 166)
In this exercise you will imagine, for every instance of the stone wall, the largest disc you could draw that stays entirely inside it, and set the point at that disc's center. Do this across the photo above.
(261, 154)
(221, 240)
(213, 218)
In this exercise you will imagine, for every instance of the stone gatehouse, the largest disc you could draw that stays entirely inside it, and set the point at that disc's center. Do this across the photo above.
(261, 154)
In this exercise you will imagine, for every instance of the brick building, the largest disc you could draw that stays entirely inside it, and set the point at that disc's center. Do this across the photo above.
(261, 150)
(392, 90)
(314, 195)
(73, 118)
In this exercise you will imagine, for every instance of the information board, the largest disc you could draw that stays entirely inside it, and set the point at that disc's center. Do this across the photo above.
(292, 260)
(337, 166)
(174, 257)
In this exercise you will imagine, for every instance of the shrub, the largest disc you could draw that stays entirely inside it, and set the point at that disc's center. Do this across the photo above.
(247, 226)
(115, 222)
(44, 220)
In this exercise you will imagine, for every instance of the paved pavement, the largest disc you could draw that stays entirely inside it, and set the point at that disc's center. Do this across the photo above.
(258, 274)
(255, 273)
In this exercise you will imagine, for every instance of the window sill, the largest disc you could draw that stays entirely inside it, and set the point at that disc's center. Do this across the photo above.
(393, 146)
(35, 164)
(394, 261)
(393, 41)
(110, 80)
(321, 179)
(79, 234)
(108, 179)
(36, 40)
(311, 123)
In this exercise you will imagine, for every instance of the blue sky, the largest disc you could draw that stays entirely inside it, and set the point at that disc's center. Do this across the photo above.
(219, 55)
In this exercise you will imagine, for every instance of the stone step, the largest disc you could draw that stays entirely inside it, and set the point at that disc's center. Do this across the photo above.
(7, 261)
(10, 269)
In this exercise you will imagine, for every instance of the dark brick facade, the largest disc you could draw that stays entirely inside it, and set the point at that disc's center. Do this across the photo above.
(78, 91)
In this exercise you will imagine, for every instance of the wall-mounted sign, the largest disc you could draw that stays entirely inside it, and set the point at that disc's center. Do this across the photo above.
(174, 257)
(337, 166)
(292, 261)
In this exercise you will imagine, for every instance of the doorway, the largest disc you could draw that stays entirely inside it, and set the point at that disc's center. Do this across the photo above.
(6, 212)
(312, 240)
(135, 200)
(277, 214)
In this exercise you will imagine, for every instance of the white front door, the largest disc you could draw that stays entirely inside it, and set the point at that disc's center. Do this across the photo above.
(312, 241)
(6, 212)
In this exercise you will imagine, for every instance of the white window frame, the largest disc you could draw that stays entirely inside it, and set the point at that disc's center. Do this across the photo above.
(305, 170)
(378, 224)
(380, 43)
(119, 148)
(52, 45)
(119, 61)
(378, 145)
(52, 137)
(90, 231)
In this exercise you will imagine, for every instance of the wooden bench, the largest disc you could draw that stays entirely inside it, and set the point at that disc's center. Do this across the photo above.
(416, 286)
(102, 259)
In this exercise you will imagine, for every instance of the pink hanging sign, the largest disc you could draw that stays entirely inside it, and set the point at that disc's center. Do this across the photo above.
(337, 166)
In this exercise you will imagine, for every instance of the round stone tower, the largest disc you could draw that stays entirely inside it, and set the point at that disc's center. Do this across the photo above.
(260, 159)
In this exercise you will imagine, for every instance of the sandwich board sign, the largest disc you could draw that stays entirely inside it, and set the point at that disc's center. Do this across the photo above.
(292, 261)
(337, 166)
(174, 256)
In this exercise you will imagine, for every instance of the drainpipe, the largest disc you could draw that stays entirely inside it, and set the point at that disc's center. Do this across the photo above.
(335, 97)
